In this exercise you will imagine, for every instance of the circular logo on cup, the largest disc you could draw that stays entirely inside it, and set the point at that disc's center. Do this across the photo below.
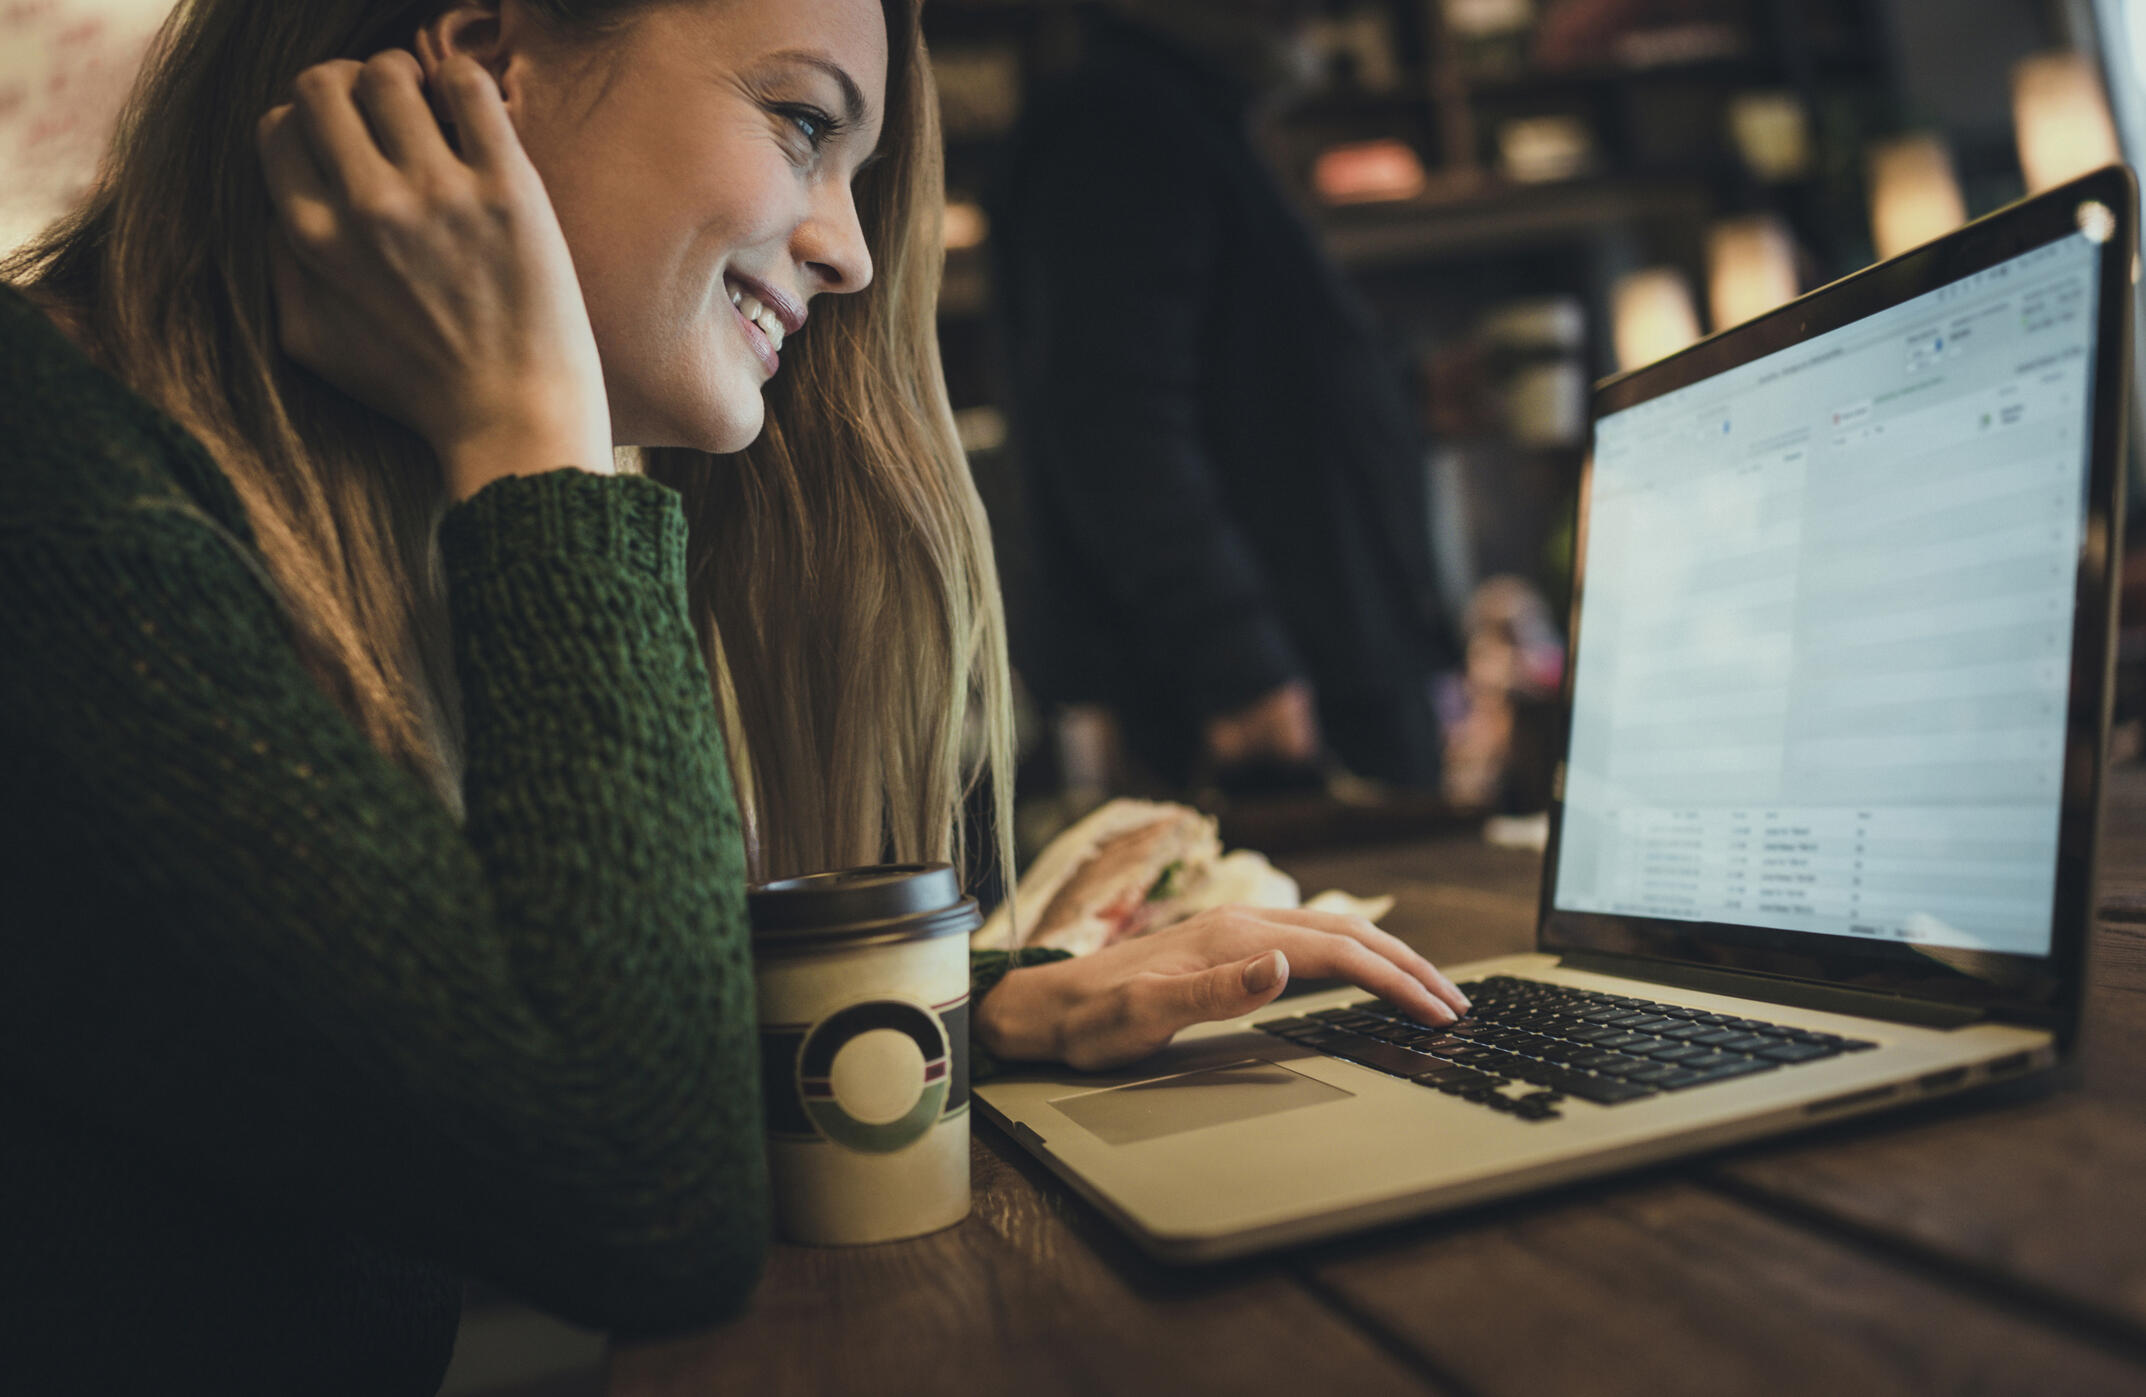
(873, 1077)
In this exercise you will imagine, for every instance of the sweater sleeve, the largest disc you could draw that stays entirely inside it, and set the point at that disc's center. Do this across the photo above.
(255, 949)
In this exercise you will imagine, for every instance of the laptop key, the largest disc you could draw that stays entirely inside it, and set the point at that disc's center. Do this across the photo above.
(1746, 1043)
(1287, 1025)
(1599, 1062)
(1606, 1091)
(1379, 1057)
(1797, 1052)
(1742, 1067)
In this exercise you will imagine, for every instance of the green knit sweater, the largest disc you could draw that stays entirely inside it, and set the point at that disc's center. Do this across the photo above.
(285, 1052)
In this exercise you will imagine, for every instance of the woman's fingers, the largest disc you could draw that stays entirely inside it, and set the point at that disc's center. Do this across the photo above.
(1384, 942)
(472, 97)
(295, 185)
(390, 90)
(1323, 955)
(341, 143)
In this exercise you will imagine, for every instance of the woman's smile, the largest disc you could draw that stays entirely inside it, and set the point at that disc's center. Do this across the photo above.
(764, 317)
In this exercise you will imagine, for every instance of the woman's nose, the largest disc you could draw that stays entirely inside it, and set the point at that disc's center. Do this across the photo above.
(830, 243)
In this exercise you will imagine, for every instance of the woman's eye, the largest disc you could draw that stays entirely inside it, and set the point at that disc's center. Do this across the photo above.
(816, 126)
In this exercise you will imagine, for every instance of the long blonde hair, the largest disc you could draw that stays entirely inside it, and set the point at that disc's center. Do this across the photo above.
(840, 568)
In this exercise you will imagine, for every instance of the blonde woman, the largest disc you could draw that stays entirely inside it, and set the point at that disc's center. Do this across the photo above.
(387, 760)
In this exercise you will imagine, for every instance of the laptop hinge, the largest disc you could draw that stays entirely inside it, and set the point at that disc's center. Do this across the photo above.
(1802, 994)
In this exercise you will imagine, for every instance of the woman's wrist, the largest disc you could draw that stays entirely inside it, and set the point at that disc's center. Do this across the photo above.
(475, 461)
(1016, 1020)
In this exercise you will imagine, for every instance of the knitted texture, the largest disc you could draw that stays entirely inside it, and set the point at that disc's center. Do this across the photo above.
(285, 1051)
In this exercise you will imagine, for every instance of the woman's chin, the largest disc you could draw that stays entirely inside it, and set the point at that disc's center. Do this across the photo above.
(716, 428)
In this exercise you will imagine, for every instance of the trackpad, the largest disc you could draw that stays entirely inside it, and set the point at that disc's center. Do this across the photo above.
(1194, 1101)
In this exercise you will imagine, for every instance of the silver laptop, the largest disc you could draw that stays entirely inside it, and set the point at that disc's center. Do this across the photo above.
(1824, 835)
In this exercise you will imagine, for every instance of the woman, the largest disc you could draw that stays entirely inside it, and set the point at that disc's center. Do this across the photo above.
(383, 866)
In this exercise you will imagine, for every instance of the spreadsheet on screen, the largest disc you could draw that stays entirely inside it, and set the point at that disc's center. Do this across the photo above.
(1825, 646)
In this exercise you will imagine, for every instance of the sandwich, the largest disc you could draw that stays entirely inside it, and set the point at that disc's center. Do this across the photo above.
(1133, 867)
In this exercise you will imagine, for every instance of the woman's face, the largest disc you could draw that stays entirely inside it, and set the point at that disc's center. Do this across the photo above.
(700, 161)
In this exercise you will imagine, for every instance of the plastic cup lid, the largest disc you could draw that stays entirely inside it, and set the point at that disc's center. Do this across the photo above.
(855, 901)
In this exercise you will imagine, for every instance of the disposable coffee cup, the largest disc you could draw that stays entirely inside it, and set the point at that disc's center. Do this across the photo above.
(863, 979)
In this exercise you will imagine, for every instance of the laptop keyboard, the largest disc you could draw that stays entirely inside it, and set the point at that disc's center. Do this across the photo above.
(1527, 1045)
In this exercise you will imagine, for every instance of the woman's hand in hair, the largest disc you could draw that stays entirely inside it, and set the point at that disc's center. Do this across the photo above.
(1126, 1001)
(430, 280)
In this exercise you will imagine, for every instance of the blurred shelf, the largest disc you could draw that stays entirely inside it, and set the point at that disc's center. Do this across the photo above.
(1505, 218)
(1722, 72)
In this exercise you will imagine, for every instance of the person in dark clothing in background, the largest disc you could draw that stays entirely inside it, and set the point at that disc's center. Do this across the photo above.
(1223, 480)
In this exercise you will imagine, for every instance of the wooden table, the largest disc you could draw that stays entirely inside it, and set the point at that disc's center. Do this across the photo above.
(1976, 1247)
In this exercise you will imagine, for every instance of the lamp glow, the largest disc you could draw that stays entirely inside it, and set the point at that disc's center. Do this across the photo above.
(2060, 116)
(1914, 195)
(1653, 315)
(1750, 268)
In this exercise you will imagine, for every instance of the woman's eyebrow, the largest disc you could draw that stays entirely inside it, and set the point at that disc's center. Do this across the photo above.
(853, 106)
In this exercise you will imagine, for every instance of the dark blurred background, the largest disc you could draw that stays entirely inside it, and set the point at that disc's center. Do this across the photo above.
(1531, 194)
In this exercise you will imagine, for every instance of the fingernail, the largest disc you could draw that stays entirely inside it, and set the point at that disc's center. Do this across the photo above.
(1263, 974)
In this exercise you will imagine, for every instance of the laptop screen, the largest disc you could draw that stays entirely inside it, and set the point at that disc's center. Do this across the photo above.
(1828, 623)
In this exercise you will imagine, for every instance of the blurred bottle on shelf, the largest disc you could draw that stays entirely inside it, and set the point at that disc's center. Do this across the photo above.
(1500, 723)
(1491, 36)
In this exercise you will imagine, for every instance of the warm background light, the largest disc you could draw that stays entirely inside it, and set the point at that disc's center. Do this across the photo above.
(1914, 195)
(1368, 171)
(1653, 315)
(2061, 117)
(1772, 133)
(1750, 268)
(964, 225)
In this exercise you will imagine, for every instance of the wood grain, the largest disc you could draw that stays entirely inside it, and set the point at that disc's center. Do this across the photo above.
(1031, 1294)
(1660, 1287)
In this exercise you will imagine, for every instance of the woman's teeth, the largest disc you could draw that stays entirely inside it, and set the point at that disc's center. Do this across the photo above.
(749, 306)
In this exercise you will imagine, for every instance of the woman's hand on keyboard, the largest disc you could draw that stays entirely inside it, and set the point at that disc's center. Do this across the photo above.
(1128, 1000)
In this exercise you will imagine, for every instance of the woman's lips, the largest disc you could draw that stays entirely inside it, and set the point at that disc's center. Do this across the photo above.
(756, 339)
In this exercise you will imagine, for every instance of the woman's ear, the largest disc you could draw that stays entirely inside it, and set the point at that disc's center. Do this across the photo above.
(477, 30)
